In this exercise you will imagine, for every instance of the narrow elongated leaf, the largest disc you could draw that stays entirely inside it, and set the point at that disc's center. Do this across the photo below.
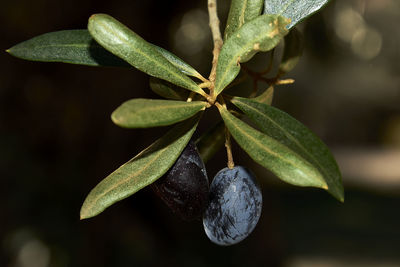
(142, 170)
(167, 90)
(144, 113)
(260, 34)
(241, 12)
(271, 154)
(296, 10)
(124, 43)
(297, 137)
(211, 141)
(292, 52)
(70, 46)
(266, 97)
(179, 63)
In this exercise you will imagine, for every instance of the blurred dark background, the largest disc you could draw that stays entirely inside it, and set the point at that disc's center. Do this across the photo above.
(57, 142)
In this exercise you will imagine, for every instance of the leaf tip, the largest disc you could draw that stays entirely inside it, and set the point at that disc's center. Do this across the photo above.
(115, 118)
(337, 193)
(92, 16)
(13, 51)
(85, 214)
(341, 197)
(82, 215)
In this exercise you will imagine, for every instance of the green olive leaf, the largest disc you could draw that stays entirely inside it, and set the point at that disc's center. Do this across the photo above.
(272, 154)
(211, 141)
(145, 113)
(142, 170)
(70, 46)
(260, 34)
(295, 10)
(124, 43)
(241, 12)
(297, 137)
(266, 97)
(292, 52)
(167, 90)
(179, 63)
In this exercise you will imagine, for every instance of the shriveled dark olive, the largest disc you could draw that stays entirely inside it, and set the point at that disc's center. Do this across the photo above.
(184, 188)
(234, 206)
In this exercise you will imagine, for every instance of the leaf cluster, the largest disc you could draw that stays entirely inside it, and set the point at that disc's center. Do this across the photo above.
(280, 143)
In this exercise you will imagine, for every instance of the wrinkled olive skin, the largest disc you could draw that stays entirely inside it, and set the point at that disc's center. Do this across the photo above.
(185, 187)
(234, 207)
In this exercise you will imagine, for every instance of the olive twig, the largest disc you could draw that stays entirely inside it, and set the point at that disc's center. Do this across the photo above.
(216, 33)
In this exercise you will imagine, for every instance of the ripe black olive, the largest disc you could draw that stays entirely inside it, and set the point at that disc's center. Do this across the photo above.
(234, 206)
(184, 188)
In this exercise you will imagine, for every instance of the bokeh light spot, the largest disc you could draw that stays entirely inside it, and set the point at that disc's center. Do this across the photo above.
(33, 254)
(366, 43)
(191, 36)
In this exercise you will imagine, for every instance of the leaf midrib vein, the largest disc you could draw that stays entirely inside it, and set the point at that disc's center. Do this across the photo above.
(140, 112)
(169, 106)
(242, 13)
(177, 62)
(129, 177)
(255, 140)
(292, 138)
(165, 68)
(234, 59)
(58, 45)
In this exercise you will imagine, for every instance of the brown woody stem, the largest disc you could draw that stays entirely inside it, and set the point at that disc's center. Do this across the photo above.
(228, 146)
(216, 33)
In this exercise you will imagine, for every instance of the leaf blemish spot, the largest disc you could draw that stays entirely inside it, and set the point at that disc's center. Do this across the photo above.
(273, 33)
(256, 46)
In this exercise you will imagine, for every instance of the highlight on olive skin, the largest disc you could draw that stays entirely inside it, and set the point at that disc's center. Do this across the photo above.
(234, 207)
